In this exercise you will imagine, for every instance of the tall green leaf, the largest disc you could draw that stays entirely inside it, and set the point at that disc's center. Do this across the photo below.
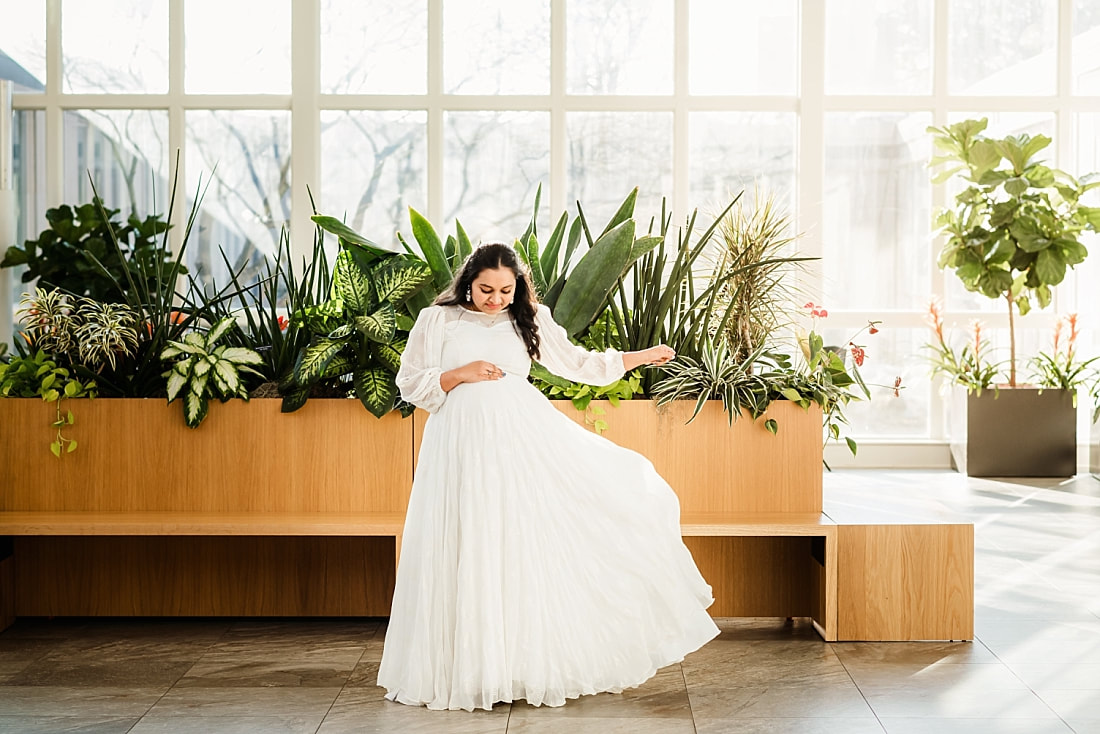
(376, 389)
(585, 291)
(313, 359)
(351, 285)
(432, 247)
(347, 235)
(379, 326)
(398, 279)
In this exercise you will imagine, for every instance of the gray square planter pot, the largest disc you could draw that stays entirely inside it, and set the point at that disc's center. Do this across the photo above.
(1018, 432)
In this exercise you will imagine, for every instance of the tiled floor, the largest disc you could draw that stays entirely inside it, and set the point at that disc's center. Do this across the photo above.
(1035, 667)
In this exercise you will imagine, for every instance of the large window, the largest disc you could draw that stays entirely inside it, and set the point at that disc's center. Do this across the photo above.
(462, 109)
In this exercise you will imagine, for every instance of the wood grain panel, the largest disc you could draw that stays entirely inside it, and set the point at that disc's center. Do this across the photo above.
(136, 576)
(906, 582)
(756, 577)
(138, 455)
(201, 523)
(715, 467)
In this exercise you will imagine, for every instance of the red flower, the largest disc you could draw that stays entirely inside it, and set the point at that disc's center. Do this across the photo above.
(872, 330)
(283, 323)
(897, 386)
(858, 354)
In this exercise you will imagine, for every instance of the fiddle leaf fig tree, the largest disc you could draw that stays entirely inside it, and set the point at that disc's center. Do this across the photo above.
(1015, 228)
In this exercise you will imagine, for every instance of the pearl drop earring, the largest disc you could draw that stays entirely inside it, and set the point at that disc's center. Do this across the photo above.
(469, 294)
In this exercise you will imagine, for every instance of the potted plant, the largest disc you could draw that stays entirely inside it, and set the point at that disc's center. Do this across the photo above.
(1012, 233)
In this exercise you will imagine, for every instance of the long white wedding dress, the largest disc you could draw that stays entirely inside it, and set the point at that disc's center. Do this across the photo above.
(539, 561)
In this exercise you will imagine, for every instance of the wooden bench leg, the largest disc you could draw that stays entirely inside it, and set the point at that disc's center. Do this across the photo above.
(396, 553)
(7, 584)
(830, 587)
(825, 618)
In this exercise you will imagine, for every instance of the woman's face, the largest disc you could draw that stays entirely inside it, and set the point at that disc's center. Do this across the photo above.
(493, 290)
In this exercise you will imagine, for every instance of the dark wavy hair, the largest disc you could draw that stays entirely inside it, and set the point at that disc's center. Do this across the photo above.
(491, 256)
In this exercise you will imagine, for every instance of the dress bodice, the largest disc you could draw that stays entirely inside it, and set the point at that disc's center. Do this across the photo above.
(447, 337)
(470, 336)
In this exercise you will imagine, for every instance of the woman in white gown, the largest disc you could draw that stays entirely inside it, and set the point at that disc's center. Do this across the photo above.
(539, 561)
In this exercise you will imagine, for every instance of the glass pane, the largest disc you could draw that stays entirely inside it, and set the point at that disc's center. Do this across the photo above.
(126, 154)
(612, 152)
(496, 47)
(1009, 50)
(380, 48)
(743, 47)
(876, 47)
(23, 45)
(242, 47)
(1086, 41)
(891, 353)
(248, 199)
(115, 46)
(373, 165)
(619, 47)
(493, 164)
(1001, 124)
(877, 210)
(29, 182)
(733, 151)
(1087, 128)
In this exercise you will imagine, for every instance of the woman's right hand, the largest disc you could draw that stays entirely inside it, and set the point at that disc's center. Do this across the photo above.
(478, 371)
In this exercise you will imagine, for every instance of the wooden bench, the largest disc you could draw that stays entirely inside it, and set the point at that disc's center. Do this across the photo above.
(768, 565)
(195, 563)
(873, 576)
(781, 594)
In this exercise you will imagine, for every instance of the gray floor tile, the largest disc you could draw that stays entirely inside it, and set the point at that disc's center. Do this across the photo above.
(232, 702)
(585, 725)
(64, 725)
(361, 710)
(928, 724)
(897, 677)
(1075, 704)
(223, 671)
(365, 674)
(957, 704)
(45, 701)
(1039, 677)
(863, 725)
(1084, 726)
(710, 702)
(662, 697)
(82, 673)
(914, 653)
(154, 724)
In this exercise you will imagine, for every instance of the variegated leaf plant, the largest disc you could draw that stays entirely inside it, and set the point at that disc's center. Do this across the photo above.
(361, 331)
(203, 370)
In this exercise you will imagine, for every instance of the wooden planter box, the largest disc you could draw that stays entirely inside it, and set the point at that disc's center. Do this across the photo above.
(1016, 432)
(330, 457)
(718, 468)
(138, 456)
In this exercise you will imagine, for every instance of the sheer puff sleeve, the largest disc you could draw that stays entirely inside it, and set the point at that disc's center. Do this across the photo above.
(418, 378)
(566, 359)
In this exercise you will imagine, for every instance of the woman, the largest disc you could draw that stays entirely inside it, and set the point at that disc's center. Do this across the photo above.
(539, 561)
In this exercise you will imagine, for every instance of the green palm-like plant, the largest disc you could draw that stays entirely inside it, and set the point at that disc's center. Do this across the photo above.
(361, 331)
(207, 371)
(717, 374)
